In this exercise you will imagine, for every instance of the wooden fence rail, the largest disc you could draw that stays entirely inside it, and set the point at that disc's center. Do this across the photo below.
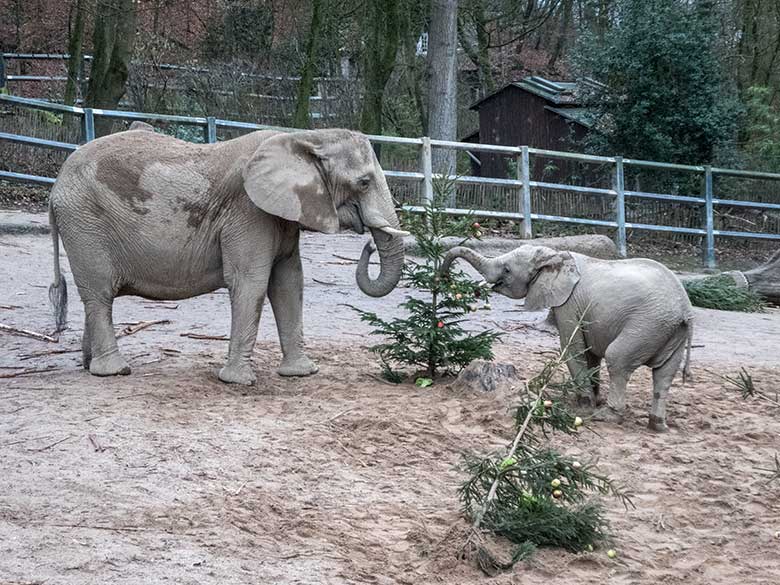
(522, 209)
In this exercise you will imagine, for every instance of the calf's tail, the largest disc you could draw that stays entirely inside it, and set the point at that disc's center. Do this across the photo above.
(687, 366)
(58, 291)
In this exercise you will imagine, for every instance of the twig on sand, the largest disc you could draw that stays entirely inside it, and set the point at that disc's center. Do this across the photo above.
(10, 307)
(54, 444)
(347, 451)
(114, 528)
(326, 283)
(134, 395)
(28, 372)
(334, 417)
(192, 335)
(8, 444)
(98, 447)
(28, 333)
(37, 354)
(131, 329)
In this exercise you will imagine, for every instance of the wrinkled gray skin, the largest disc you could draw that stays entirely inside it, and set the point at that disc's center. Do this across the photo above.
(632, 313)
(144, 214)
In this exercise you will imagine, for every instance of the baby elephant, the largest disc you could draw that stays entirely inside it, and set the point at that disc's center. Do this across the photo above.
(630, 313)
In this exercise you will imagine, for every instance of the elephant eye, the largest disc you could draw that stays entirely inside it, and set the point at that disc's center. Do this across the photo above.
(506, 269)
(364, 182)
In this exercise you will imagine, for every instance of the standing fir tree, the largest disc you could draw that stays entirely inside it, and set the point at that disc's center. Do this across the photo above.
(431, 336)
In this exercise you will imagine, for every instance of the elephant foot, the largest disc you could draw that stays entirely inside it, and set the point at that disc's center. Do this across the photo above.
(243, 374)
(298, 366)
(607, 414)
(112, 364)
(657, 424)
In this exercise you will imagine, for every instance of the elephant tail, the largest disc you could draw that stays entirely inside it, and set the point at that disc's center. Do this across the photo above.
(687, 366)
(58, 291)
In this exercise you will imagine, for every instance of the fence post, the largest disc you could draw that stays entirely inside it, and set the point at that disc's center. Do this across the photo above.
(620, 205)
(709, 253)
(427, 169)
(524, 173)
(88, 125)
(210, 131)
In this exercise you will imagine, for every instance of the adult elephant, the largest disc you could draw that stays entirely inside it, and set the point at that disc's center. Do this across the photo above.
(140, 213)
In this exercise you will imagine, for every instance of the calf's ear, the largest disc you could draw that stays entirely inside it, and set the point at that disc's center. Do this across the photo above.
(557, 275)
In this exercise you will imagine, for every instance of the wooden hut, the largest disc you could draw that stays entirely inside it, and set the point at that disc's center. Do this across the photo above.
(533, 112)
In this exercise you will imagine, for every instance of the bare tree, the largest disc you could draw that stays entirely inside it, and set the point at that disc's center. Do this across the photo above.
(113, 42)
(442, 81)
(76, 50)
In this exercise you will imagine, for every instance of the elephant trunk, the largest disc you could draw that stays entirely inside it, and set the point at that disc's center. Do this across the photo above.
(391, 262)
(487, 267)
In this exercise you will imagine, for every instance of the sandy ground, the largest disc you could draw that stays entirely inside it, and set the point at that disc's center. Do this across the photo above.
(169, 476)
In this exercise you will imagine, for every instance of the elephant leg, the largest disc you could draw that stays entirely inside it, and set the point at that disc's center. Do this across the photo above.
(86, 348)
(285, 291)
(246, 306)
(622, 360)
(103, 356)
(662, 381)
(573, 342)
(594, 368)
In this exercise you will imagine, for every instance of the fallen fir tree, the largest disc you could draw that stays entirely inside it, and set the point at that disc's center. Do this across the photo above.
(721, 292)
(532, 494)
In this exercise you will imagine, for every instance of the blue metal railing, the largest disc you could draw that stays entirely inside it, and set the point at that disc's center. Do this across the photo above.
(522, 154)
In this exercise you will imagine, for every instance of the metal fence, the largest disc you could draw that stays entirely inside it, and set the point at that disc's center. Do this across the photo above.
(425, 176)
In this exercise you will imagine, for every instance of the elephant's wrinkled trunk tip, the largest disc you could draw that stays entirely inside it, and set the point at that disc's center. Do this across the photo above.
(391, 261)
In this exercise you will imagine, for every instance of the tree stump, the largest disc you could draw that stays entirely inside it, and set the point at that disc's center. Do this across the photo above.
(482, 376)
(763, 280)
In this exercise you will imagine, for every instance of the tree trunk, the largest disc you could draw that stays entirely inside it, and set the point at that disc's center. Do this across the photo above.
(764, 280)
(382, 26)
(76, 51)
(563, 32)
(302, 119)
(113, 43)
(442, 87)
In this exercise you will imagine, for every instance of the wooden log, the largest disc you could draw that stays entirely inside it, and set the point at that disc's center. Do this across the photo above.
(764, 279)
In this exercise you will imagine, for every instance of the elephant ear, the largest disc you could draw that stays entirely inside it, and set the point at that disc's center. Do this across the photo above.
(284, 177)
(555, 280)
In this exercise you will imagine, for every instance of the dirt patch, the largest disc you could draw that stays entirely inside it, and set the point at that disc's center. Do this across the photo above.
(338, 478)
(168, 474)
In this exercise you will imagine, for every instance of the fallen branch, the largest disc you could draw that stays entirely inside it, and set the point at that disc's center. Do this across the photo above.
(55, 443)
(114, 528)
(325, 282)
(28, 372)
(28, 333)
(192, 335)
(30, 356)
(131, 329)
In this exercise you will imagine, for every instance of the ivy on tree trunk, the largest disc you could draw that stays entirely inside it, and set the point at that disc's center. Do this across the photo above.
(113, 41)
(76, 51)
(382, 36)
(302, 119)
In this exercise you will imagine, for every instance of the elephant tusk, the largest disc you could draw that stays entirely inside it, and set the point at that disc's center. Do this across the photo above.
(394, 232)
